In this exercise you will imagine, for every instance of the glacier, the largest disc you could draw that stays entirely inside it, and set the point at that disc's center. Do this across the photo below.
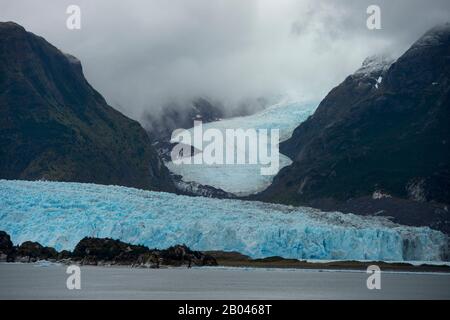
(246, 179)
(59, 214)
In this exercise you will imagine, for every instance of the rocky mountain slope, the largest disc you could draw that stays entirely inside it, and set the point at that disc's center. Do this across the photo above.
(174, 116)
(55, 126)
(379, 141)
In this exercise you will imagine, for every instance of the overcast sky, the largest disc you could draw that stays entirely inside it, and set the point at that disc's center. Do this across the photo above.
(142, 54)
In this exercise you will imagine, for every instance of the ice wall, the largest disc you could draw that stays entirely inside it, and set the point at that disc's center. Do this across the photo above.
(60, 214)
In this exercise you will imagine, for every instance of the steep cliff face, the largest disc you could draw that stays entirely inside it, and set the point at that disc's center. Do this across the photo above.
(174, 116)
(385, 128)
(55, 126)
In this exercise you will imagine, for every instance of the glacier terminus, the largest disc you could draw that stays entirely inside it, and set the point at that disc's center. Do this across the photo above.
(60, 214)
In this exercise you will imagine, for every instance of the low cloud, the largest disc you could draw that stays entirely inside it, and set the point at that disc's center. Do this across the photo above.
(142, 55)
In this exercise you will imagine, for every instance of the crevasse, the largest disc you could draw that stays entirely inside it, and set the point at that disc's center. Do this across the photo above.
(60, 214)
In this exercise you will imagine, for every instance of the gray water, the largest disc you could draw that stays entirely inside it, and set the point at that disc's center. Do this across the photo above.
(34, 281)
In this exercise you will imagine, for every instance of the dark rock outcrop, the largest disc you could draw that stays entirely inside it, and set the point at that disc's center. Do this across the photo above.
(95, 250)
(109, 251)
(384, 130)
(100, 251)
(192, 188)
(6, 246)
(33, 251)
(64, 255)
(55, 126)
(104, 251)
(181, 254)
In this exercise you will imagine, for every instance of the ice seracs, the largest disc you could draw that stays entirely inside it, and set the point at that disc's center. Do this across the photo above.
(60, 214)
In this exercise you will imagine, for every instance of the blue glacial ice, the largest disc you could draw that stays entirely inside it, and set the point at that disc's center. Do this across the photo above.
(59, 214)
(243, 180)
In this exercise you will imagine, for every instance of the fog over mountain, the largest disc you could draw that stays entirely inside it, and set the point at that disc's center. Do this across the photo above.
(142, 55)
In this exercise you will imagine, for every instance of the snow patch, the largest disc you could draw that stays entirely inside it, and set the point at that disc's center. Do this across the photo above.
(376, 64)
(380, 195)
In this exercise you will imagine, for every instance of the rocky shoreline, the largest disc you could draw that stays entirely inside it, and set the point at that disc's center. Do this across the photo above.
(236, 259)
(104, 251)
(110, 252)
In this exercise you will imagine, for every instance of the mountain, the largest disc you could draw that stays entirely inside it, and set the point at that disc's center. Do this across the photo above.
(55, 126)
(379, 142)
